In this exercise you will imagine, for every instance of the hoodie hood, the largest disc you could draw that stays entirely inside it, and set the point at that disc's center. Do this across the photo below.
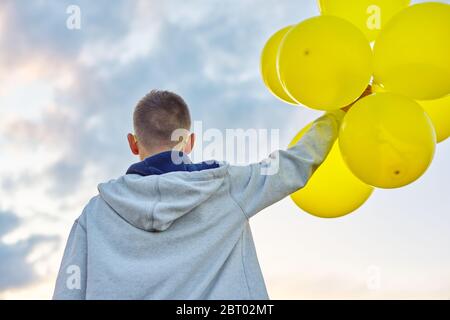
(156, 192)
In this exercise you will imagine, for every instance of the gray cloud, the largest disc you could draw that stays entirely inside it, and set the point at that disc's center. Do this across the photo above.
(8, 222)
(15, 270)
(209, 56)
(208, 51)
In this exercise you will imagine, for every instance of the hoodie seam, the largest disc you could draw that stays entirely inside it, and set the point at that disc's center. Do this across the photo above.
(233, 198)
(243, 264)
(152, 213)
(77, 223)
(215, 173)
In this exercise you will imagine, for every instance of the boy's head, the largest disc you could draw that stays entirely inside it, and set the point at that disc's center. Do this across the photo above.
(161, 122)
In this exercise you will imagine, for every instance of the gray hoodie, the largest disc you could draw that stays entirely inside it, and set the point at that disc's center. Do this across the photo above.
(184, 234)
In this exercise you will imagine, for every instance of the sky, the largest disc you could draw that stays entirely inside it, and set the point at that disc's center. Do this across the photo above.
(66, 101)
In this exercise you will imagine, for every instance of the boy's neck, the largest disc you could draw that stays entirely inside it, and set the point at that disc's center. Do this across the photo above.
(144, 155)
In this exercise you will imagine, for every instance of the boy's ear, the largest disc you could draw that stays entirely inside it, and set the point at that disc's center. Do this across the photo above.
(132, 142)
(190, 144)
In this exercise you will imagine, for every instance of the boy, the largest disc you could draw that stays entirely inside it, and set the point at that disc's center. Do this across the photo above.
(171, 229)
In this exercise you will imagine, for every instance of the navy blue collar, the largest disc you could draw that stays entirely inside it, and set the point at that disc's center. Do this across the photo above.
(162, 163)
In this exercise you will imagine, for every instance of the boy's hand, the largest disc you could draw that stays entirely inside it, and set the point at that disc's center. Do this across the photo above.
(366, 93)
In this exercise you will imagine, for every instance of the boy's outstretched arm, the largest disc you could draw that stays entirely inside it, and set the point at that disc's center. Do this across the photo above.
(259, 185)
(71, 281)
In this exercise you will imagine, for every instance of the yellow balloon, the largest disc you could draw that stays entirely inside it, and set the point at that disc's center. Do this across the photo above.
(370, 16)
(325, 63)
(333, 191)
(268, 66)
(438, 110)
(439, 113)
(387, 140)
(377, 88)
(412, 53)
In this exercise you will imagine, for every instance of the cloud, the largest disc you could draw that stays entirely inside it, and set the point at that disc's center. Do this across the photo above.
(8, 222)
(15, 268)
(66, 96)
(209, 56)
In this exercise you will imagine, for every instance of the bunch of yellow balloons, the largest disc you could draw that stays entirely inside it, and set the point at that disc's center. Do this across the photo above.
(388, 138)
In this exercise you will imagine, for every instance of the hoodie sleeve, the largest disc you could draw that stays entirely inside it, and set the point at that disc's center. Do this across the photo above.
(71, 280)
(257, 186)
